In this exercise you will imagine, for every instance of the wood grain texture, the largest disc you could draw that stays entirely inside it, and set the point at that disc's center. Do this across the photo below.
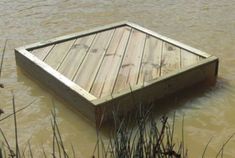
(105, 79)
(150, 64)
(128, 74)
(41, 53)
(90, 66)
(75, 56)
(170, 60)
(188, 58)
(57, 54)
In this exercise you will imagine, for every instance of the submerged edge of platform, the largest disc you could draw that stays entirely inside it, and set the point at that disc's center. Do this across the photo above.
(93, 108)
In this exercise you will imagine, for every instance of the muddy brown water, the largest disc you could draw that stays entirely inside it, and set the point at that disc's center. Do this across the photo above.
(206, 25)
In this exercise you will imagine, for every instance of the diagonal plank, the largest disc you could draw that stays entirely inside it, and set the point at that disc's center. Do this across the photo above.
(188, 58)
(57, 54)
(107, 74)
(90, 66)
(75, 56)
(170, 60)
(128, 74)
(41, 53)
(150, 65)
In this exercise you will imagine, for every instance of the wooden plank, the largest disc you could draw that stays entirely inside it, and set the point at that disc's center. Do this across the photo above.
(170, 60)
(90, 66)
(128, 74)
(42, 52)
(75, 56)
(105, 79)
(150, 65)
(58, 53)
(188, 58)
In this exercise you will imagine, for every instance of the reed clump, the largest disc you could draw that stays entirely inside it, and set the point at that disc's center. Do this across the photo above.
(138, 136)
(141, 136)
(58, 147)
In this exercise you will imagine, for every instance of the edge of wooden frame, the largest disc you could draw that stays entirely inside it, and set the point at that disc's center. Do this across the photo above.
(169, 40)
(97, 101)
(115, 25)
(74, 35)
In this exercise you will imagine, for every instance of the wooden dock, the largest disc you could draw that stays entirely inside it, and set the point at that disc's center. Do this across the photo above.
(97, 70)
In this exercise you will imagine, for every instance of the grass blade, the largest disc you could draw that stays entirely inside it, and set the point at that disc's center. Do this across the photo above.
(226, 142)
(15, 125)
(18, 110)
(2, 58)
(204, 151)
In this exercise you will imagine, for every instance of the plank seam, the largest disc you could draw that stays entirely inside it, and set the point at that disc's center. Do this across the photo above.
(122, 60)
(143, 52)
(102, 59)
(48, 53)
(66, 55)
(180, 58)
(160, 68)
(84, 57)
(112, 60)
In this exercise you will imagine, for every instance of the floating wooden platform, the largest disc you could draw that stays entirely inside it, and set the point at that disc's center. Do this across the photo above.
(102, 68)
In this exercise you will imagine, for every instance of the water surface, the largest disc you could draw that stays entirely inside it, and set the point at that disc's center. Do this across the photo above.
(206, 25)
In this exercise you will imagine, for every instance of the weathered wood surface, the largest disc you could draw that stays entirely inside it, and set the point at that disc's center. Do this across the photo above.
(170, 60)
(105, 79)
(90, 66)
(188, 58)
(75, 56)
(57, 54)
(43, 52)
(151, 62)
(128, 74)
(106, 62)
